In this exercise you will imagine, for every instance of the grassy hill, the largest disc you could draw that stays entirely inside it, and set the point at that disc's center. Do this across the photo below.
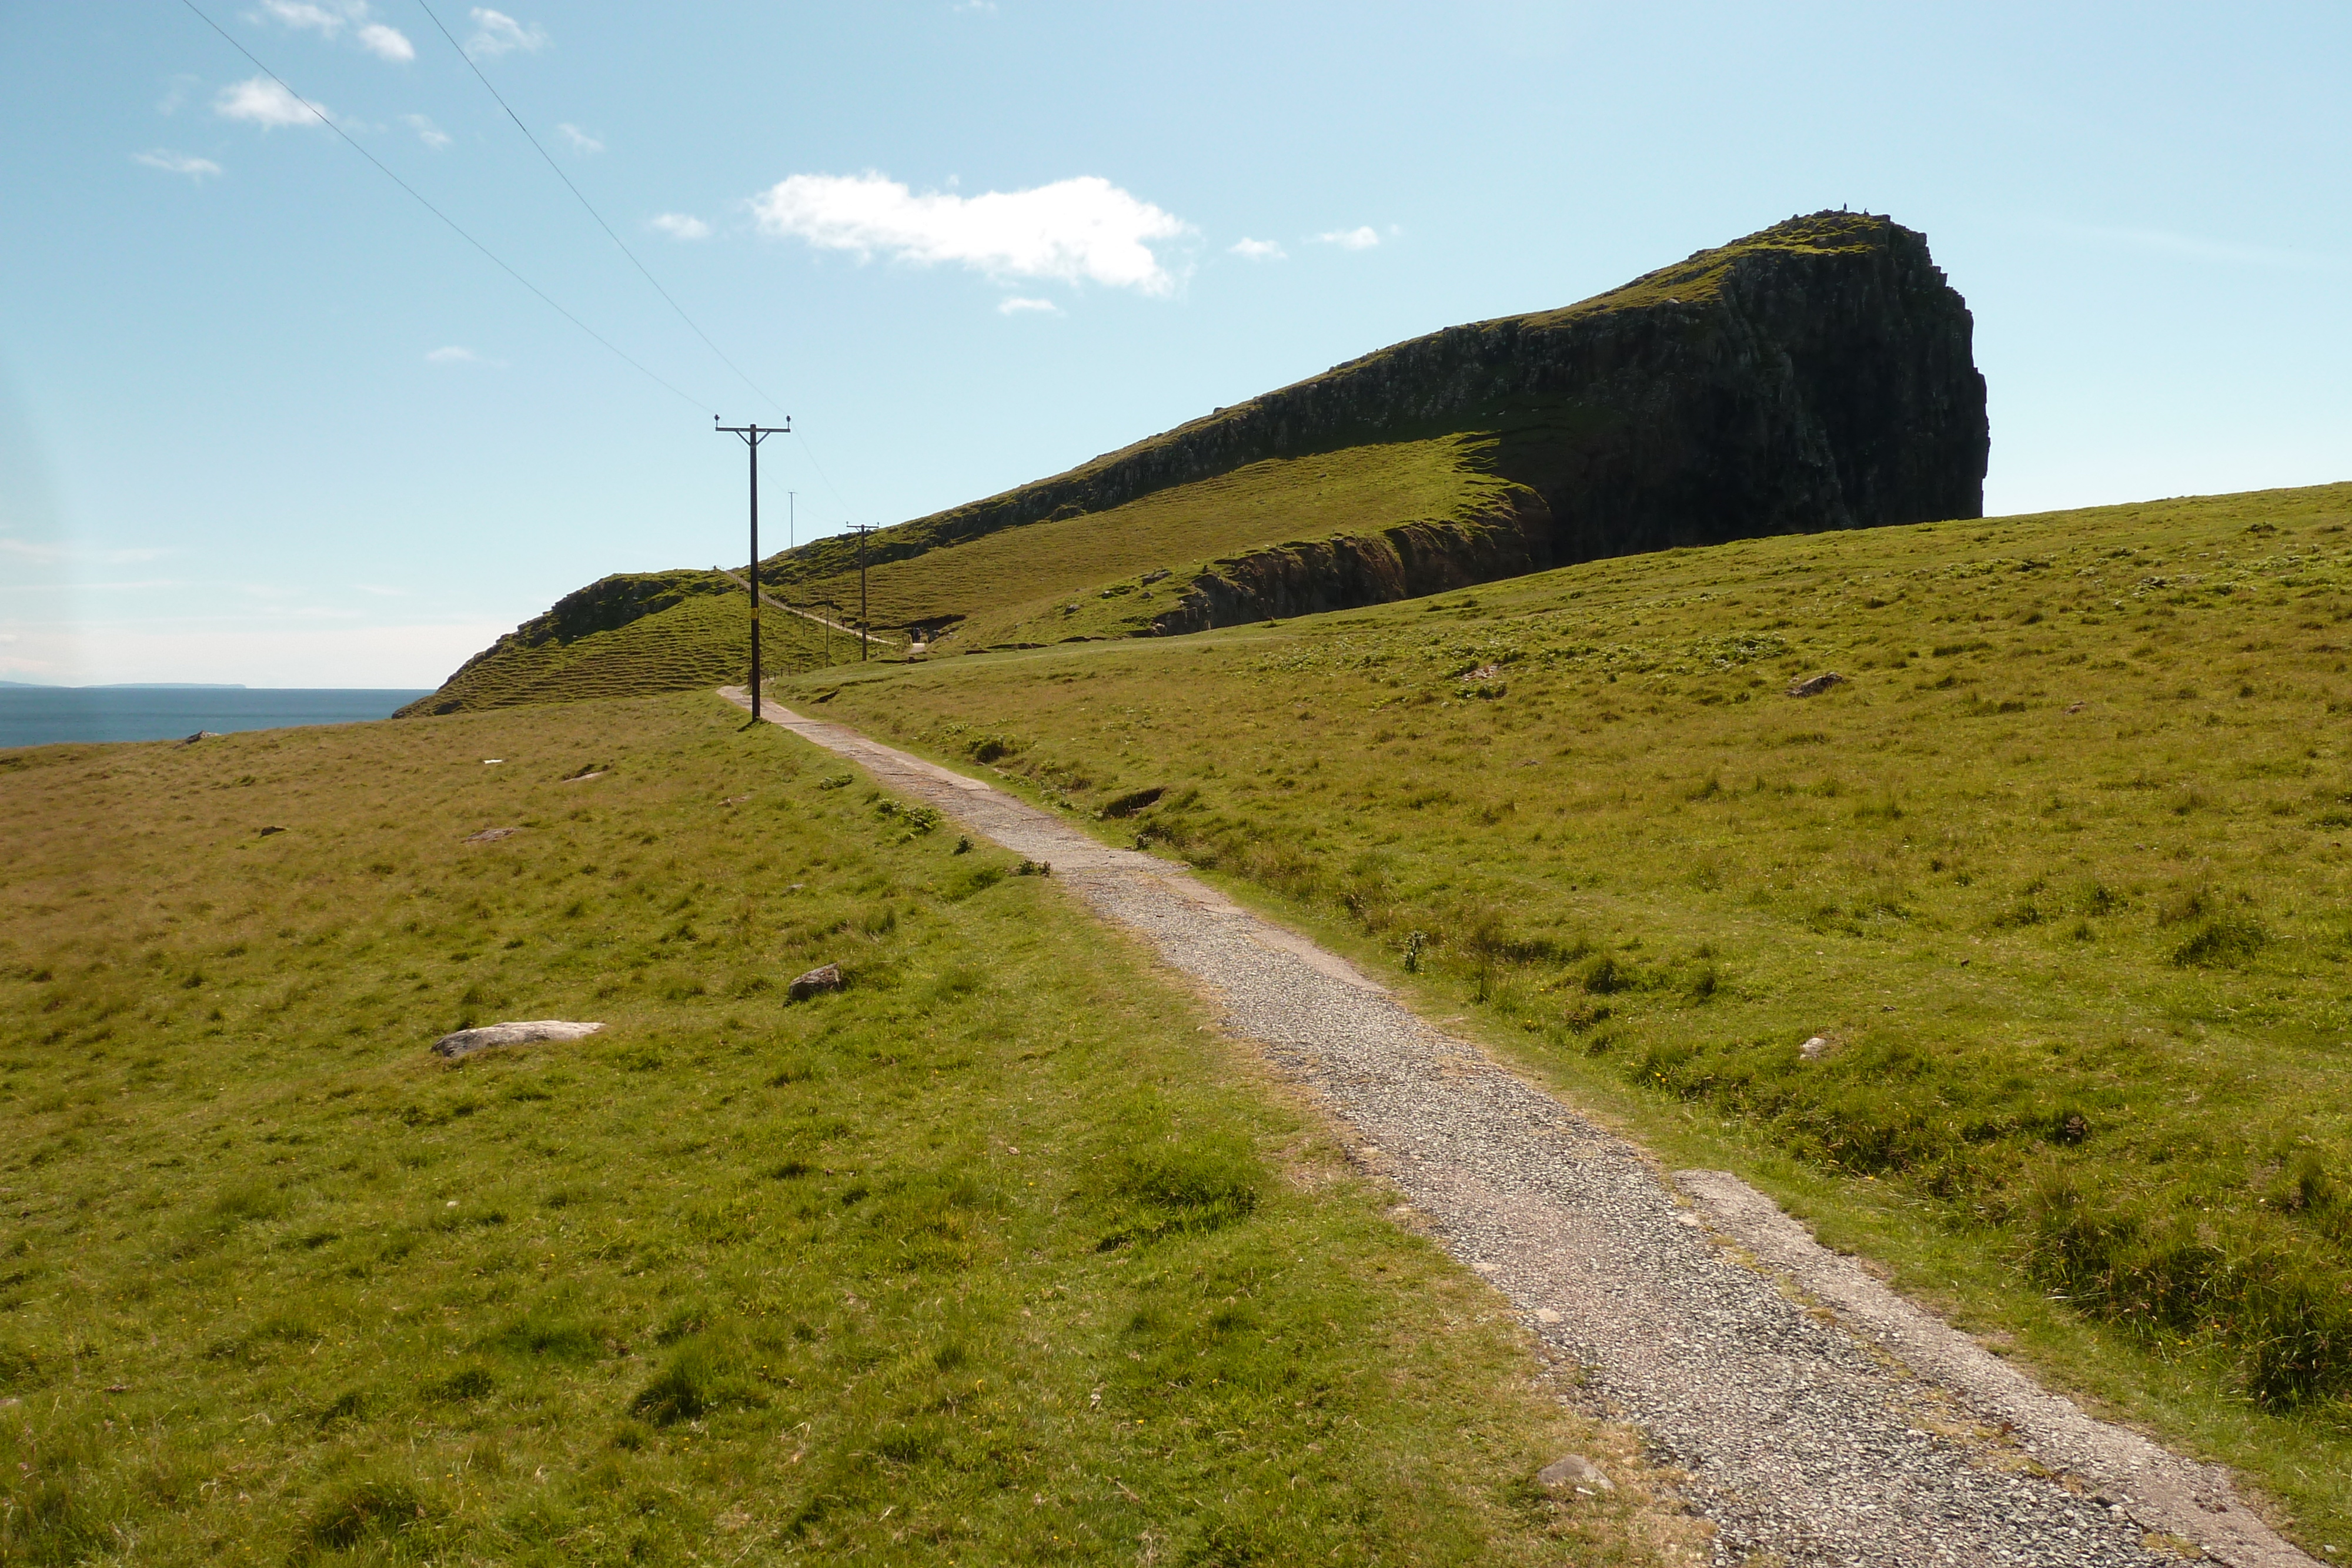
(1814, 375)
(2056, 877)
(1000, 1255)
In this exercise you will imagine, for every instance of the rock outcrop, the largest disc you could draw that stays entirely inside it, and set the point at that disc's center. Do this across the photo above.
(1819, 374)
(1342, 573)
(1816, 375)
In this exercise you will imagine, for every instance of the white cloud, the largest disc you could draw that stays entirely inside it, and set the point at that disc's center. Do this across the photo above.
(265, 103)
(317, 19)
(1258, 250)
(976, 7)
(432, 135)
(1362, 238)
(387, 43)
(681, 225)
(1085, 229)
(581, 140)
(1019, 307)
(173, 162)
(25, 549)
(328, 19)
(496, 34)
(458, 354)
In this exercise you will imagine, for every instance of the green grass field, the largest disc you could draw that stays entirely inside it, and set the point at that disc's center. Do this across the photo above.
(1013, 586)
(2057, 875)
(1000, 1255)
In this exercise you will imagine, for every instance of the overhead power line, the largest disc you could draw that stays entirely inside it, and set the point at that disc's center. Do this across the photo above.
(454, 226)
(593, 213)
(644, 271)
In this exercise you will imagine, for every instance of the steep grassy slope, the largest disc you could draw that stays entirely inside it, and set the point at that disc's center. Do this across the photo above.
(668, 640)
(1000, 1255)
(1814, 375)
(1014, 585)
(2057, 877)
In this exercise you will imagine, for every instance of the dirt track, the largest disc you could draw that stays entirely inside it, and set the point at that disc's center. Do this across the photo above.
(1820, 1417)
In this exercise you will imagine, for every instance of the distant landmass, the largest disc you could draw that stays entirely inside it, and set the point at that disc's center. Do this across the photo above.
(1818, 374)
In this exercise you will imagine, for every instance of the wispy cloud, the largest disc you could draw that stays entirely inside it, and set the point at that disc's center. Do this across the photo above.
(261, 101)
(976, 7)
(328, 19)
(171, 162)
(458, 354)
(1081, 230)
(1258, 250)
(387, 43)
(432, 135)
(2199, 248)
(681, 225)
(581, 140)
(496, 34)
(1362, 238)
(1020, 307)
(176, 95)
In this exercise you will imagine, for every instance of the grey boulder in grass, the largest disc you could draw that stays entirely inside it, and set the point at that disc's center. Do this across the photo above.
(466, 1042)
(825, 978)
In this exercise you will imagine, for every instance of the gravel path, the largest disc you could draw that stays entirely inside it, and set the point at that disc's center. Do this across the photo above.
(1820, 1417)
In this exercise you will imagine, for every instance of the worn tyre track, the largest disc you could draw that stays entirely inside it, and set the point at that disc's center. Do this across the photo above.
(1820, 1417)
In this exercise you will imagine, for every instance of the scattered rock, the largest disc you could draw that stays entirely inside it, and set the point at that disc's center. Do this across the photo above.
(1815, 1049)
(491, 835)
(1573, 1473)
(2077, 707)
(584, 778)
(825, 978)
(492, 761)
(1155, 575)
(201, 734)
(1483, 673)
(1815, 685)
(466, 1042)
(1545, 1315)
(734, 799)
(265, 832)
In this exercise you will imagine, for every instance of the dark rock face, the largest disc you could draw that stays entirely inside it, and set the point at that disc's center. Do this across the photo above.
(1816, 375)
(1313, 576)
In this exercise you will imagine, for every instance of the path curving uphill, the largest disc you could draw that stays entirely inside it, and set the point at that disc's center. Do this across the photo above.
(1821, 1419)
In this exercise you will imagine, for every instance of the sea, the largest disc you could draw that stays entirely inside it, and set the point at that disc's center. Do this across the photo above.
(44, 715)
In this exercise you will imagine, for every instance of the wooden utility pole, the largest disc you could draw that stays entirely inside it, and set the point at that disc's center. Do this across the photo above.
(753, 436)
(863, 629)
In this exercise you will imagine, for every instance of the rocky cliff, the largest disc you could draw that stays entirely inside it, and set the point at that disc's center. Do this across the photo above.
(1818, 374)
(1815, 375)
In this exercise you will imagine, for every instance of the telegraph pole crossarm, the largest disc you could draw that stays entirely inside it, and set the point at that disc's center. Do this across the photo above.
(752, 435)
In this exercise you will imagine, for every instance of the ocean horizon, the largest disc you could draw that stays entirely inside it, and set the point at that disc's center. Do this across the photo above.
(50, 715)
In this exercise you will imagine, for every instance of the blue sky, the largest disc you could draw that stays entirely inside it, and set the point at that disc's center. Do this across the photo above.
(265, 419)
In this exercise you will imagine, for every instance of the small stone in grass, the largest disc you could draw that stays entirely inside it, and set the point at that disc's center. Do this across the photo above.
(1573, 1472)
(265, 832)
(1816, 685)
(825, 978)
(1814, 1049)
(492, 835)
(466, 1042)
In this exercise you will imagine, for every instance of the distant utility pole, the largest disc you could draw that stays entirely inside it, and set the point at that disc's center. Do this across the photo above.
(753, 436)
(863, 634)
